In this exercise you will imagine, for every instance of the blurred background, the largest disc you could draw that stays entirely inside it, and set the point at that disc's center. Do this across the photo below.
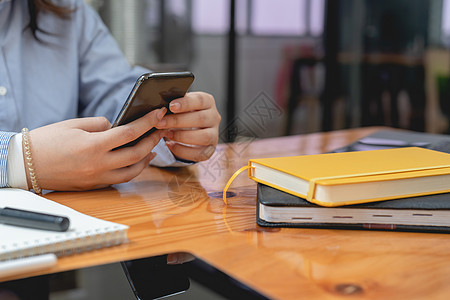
(298, 66)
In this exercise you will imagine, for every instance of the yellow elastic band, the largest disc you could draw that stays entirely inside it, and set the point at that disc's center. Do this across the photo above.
(224, 195)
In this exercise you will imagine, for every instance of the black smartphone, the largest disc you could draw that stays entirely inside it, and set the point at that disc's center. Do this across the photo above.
(153, 278)
(153, 91)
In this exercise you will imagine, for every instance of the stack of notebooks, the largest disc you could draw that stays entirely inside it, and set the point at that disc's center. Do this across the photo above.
(402, 188)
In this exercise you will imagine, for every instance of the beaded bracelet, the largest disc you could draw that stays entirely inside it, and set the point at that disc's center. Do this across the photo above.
(29, 161)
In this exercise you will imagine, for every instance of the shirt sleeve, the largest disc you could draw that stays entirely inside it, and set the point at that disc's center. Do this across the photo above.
(106, 77)
(17, 178)
(5, 138)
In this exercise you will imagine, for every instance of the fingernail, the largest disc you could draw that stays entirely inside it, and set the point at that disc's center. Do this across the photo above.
(161, 113)
(210, 151)
(174, 106)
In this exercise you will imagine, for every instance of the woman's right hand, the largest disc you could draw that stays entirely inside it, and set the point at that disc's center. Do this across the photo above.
(78, 154)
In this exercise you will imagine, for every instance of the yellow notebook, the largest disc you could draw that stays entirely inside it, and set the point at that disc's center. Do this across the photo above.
(336, 179)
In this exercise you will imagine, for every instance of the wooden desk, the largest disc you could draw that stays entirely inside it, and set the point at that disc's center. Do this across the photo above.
(171, 210)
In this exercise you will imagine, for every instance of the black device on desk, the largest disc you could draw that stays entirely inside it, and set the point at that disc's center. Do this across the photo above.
(154, 278)
(153, 91)
(386, 139)
(30, 219)
(143, 279)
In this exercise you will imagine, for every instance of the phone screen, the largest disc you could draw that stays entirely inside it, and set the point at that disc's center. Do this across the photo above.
(153, 91)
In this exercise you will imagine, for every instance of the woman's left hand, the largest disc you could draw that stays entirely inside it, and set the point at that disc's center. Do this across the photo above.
(192, 131)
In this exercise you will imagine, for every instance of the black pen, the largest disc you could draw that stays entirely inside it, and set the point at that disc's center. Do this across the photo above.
(24, 218)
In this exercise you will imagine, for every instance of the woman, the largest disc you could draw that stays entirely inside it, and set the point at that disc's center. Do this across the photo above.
(59, 63)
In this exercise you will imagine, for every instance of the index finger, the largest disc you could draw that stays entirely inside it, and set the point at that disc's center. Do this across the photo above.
(126, 133)
(191, 102)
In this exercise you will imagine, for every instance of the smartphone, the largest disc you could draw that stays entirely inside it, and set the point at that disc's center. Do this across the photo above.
(153, 91)
(153, 278)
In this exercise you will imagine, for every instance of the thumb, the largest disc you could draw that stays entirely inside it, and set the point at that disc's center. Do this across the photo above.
(92, 124)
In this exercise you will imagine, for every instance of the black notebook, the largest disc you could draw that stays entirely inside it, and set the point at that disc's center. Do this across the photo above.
(424, 214)
(386, 139)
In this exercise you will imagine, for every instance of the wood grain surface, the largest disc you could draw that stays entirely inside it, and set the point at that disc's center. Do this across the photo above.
(181, 210)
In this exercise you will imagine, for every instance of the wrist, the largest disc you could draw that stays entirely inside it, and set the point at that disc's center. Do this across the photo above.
(28, 160)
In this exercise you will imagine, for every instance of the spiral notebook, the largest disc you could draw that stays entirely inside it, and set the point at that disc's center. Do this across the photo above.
(84, 234)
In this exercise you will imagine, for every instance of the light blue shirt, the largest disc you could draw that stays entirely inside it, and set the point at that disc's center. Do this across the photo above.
(77, 70)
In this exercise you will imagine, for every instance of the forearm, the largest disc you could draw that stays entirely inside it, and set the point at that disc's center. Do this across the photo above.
(12, 167)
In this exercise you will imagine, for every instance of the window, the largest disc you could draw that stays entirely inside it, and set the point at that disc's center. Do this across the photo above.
(281, 17)
(260, 17)
(317, 19)
(210, 17)
(446, 22)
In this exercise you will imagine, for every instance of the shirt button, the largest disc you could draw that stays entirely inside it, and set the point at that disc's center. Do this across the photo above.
(3, 91)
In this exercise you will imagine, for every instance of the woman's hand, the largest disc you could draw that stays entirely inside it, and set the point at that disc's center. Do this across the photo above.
(78, 154)
(193, 128)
